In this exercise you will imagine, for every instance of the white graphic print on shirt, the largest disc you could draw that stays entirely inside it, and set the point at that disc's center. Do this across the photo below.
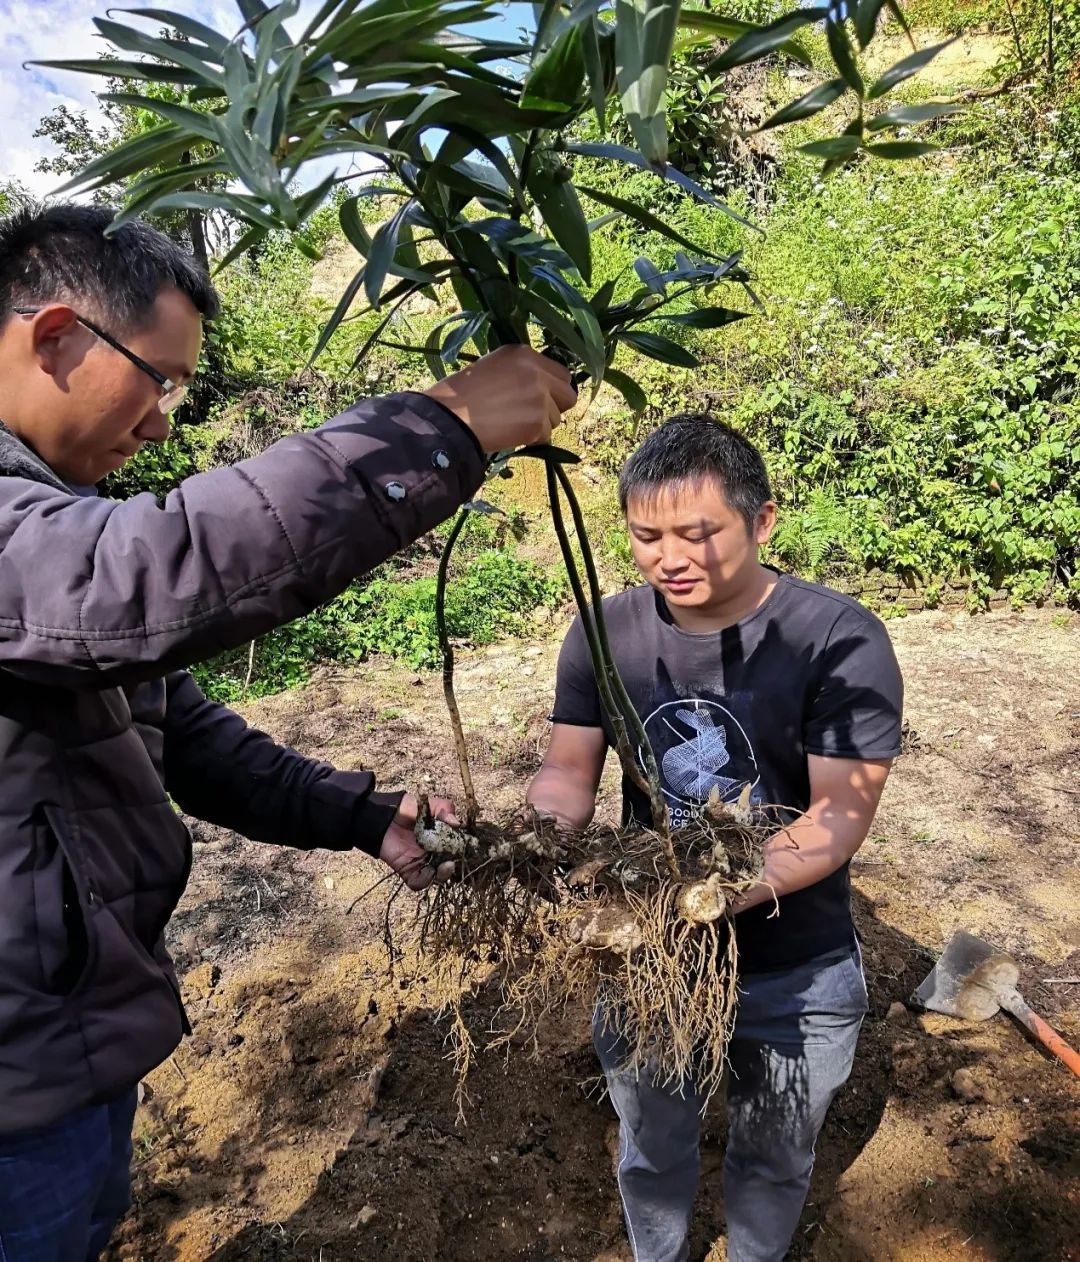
(699, 746)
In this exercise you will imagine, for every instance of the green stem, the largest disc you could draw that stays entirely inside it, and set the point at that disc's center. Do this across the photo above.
(472, 809)
(617, 704)
(626, 705)
(582, 601)
(648, 314)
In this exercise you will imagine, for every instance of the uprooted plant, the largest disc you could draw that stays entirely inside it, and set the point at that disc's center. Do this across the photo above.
(469, 144)
(634, 919)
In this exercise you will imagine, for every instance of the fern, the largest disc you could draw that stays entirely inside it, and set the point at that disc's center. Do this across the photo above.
(820, 530)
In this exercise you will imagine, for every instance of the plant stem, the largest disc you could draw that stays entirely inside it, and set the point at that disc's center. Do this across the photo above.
(581, 600)
(1050, 41)
(617, 704)
(472, 809)
(1015, 33)
(657, 804)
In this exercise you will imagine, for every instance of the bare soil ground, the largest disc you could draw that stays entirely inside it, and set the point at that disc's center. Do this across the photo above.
(311, 1116)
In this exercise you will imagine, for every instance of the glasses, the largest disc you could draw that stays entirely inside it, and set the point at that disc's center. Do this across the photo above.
(173, 394)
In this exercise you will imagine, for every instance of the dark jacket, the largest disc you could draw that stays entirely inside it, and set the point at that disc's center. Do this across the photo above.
(100, 604)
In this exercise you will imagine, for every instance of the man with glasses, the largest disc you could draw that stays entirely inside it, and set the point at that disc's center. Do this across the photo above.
(173, 393)
(102, 605)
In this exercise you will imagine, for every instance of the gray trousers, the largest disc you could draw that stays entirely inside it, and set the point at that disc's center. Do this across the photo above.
(794, 1042)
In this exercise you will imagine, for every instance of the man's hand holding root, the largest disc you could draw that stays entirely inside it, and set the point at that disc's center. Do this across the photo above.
(401, 850)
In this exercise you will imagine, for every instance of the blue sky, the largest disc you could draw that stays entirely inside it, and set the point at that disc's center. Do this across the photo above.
(61, 29)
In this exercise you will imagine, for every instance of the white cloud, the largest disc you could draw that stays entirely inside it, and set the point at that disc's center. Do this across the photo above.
(44, 31)
(56, 30)
(59, 30)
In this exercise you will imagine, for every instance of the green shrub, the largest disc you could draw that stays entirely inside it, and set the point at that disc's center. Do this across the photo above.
(913, 385)
(489, 596)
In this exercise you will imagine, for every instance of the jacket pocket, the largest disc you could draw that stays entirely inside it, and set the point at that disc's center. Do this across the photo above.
(63, 905)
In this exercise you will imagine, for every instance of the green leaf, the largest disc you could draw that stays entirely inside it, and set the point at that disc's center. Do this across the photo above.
(581, 14)
(644, 38)
(133, 41)
(244, 207)
(381, 256)
(146, 191)
(347, 104)
(662, 348)
(408, 256)
(902, 149)
(716, 24)
(428, 102)
(491, 151)
(514, 238)
(308, 250)
(345, 9)
(555, 82)
(429, 275)
(583, 316)
(558, 203)
(307, 203)
(733, 28)
(763, 40)
(601, 300)
(832, 148)
(556, 323)
(250, 238)
(193, 121)
(467, 329)
(898, 13)
(544, 14)
(843, 58)
(143, 71)
(628, 388)
(160, 146)
(620, 153)
(645, 218)
(705, 317)
(272, 42)
(598, 50)
(813, 102)
(910, 115)
(905, 69)
(601, 221)
(468, 298)
(214, 41)
(649, 274)
(433, 344)
(866, 16)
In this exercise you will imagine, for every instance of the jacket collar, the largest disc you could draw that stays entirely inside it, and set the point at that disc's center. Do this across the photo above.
(18, 461)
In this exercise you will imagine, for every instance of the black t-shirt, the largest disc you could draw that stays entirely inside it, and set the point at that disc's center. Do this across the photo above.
(809, 672)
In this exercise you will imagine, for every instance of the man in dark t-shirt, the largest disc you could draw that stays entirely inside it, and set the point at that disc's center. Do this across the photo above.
(742, 677)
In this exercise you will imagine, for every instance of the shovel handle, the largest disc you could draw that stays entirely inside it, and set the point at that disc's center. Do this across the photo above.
(1046, 1034)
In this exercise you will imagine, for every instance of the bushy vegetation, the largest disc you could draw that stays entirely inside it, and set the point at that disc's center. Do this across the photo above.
(913, 383)
(491, 595)
(912, 379)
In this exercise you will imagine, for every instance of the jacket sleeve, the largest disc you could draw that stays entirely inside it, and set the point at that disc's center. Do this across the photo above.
(97, 592)
(220, 769)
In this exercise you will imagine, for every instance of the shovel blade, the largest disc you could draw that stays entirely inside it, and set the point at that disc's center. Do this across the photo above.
(968, 979)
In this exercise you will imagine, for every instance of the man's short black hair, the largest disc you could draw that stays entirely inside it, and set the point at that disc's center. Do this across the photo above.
(691, 447)
(60, 253)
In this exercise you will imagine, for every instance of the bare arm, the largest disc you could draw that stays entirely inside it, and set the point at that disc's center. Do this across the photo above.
(565, 786)
(844, 795)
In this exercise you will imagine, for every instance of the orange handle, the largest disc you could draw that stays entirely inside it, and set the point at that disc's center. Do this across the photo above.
(1046, 1034)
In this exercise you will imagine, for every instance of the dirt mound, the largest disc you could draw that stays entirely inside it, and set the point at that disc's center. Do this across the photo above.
(312, 1115)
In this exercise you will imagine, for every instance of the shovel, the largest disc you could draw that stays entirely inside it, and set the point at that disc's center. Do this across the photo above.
(974, 980)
